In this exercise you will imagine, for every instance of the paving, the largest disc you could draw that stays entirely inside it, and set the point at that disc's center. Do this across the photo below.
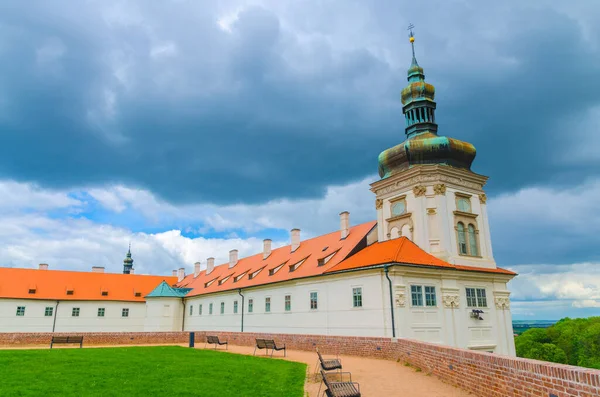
(376, 377)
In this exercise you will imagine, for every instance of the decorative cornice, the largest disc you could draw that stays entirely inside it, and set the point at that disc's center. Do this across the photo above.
(439, 189)
(395, 218)
(419, 190)
(429, 174)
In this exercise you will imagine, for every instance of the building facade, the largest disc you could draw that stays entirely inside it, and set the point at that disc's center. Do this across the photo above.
(424, 269)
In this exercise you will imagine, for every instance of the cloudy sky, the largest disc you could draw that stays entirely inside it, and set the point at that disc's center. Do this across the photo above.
(194, 127)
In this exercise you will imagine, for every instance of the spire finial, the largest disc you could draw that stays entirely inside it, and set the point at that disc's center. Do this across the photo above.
(411, 38)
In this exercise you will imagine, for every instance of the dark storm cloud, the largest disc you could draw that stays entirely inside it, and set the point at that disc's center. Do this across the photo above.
(281, 106)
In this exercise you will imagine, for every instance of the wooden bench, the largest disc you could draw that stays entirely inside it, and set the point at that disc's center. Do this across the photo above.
(214, 340)
(329, 364)
(339, 388)
(66, 339)
(269, 344)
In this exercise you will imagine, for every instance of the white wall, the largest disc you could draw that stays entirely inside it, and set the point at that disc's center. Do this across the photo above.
(335, 314)
(34, 319)
(163, 314)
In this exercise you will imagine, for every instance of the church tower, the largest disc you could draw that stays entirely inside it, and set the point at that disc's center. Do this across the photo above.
(427, 191)
(128, 262)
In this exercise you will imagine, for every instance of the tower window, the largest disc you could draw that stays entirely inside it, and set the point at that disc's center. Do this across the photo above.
(472, 240)
(462, 238)
(398, 208)
(467, 239)
(463, 204)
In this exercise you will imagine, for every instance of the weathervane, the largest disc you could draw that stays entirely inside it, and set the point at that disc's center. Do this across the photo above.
(412, 38)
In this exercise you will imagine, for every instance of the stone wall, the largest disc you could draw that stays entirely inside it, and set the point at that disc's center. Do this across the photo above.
(484, 374)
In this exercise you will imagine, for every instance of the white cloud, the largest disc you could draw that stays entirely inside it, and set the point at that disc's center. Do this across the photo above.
(587, 303)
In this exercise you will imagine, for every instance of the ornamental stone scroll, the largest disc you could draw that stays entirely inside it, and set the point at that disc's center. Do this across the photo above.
(482, 198)
(502, 303)
(419, 190)
(378, 203)
(451, 301)
(400, 296)
(439, 189)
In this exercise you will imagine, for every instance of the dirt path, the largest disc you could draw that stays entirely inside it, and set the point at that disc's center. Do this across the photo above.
(376, 377)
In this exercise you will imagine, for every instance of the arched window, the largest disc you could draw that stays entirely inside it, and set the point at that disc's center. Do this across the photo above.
(472, 241)
(462, 238)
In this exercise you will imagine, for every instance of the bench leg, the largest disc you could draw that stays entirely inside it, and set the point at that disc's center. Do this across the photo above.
(254, 354)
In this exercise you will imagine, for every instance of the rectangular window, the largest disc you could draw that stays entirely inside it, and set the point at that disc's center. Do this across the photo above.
(200, 309)
(314, 301)
(49, 311)
(222, 307)
(125, 312)
(476, 297)
(210, 308)
(357, 297)
(191, 310)
(481, 298)
(267, 305)
(75, 312)
(416, 292)
(250, 305)
(20, 310)
(430, 296)
(100, 312)
(235, 307)
(288, 303)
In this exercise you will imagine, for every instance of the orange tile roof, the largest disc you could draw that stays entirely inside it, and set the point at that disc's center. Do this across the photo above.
(403, 251)
(303, 261)
(53, 285)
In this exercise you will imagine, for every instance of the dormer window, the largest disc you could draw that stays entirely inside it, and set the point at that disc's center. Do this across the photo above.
(138, 294)
(239, 277)
(32, 289)
(69, 290)
(275, 269)
(252, 275)
(224, 279)
(105, 293)
(207, 284)
(296, 265)
(321, 262)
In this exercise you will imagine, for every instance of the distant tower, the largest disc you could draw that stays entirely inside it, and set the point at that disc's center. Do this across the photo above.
(128, 262)
(427, 191)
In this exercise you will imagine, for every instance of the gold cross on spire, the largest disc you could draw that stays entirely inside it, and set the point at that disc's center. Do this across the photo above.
(412, 38)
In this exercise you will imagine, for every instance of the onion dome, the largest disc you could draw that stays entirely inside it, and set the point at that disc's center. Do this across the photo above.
(423, 145)
(128, 262)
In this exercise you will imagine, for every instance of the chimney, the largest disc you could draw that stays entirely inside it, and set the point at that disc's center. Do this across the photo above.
(181, 274)
(295, 237)
(266, 248)
(344, 224)
(174, 273)
(97, 269)
(233, 258)
(196, 269)
(210, 265)
(43, 266)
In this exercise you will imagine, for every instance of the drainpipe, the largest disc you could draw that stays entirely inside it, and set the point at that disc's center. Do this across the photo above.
(55, 315)
(183, 318)
(386, 270)
(240, 293)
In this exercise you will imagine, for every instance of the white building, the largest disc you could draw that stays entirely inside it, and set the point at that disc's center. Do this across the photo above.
(424, 269)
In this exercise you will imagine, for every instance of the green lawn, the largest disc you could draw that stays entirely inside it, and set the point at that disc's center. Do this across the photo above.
(146, 371)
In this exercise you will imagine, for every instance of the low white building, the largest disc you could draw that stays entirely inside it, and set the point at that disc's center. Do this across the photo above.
(424, 269)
